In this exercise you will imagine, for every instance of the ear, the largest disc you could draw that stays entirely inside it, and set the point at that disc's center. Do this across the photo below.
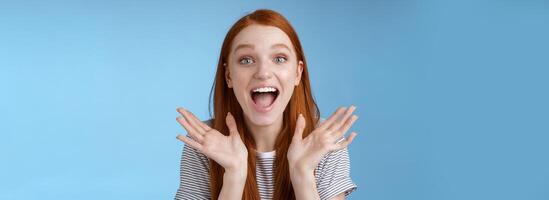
(227, 76)
(299, 72)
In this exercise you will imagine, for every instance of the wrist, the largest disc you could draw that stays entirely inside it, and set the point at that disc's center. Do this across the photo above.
(236, 174)
(304, 184)
(299, 169)
(299, 173)
(234, 181)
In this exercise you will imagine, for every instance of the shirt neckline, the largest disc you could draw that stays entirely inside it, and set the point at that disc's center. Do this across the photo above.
(267, 154)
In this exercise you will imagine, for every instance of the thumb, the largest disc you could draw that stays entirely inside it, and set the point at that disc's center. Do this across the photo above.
(231, 124)
(299, 127)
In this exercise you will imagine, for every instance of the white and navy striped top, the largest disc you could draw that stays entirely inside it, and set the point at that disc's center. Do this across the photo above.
(332, 175)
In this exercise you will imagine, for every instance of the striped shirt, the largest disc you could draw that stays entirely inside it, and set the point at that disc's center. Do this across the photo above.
(332, 175)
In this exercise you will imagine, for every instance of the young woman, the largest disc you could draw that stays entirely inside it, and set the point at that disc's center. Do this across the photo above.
(265, 140)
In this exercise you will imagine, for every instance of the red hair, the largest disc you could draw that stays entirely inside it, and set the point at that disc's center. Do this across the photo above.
(224, 101)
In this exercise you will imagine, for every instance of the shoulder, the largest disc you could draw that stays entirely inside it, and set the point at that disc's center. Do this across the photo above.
(339, 159)
(334, 159)
(333, 175)
(191, 154)
(194, 175)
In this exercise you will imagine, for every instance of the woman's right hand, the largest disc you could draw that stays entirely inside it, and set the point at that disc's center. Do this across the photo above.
(228, 151)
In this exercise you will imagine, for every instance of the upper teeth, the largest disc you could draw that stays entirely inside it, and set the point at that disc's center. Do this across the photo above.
(265, 89)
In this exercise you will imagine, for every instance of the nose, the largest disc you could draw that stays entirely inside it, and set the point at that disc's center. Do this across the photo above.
(263, 71)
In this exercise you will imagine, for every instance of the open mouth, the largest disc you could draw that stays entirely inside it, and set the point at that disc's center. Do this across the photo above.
(264, 97)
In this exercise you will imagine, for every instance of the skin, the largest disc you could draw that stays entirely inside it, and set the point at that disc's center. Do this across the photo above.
(265, 55)
(269, 59)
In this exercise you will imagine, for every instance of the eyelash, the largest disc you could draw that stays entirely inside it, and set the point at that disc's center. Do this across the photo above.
(244, 58)
(285, 59)
(249, 58)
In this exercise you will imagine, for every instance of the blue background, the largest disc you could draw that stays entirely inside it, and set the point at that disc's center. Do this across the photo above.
(452, 95)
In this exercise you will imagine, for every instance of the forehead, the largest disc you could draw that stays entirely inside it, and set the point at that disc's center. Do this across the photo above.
(261, 37)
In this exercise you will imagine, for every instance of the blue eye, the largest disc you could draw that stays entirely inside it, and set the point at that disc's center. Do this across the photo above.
(246, 61)
(280, 59)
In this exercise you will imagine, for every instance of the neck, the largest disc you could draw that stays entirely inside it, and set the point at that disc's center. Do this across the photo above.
(265, 136)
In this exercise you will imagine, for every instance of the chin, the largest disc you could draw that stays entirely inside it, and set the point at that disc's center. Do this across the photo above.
(263, 119)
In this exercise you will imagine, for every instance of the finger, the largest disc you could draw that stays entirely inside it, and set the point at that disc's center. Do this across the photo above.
(189, 127)
(231, 123)
(346, 142)
(191, 119)
(332, 118)
(190, 142)
(346, 126)
(202, 125)
(198, 137)
(184, 122)
(336, 125)
(299, 127)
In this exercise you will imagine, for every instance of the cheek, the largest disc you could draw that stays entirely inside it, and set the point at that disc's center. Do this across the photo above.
(240, 79)
(288, 76)
(287, 81)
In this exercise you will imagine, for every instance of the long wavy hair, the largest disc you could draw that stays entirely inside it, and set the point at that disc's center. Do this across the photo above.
(224, 101)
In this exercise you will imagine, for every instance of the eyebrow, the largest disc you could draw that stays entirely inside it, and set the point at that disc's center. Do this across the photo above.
(280, 45)
(241, 46)
(251, 46)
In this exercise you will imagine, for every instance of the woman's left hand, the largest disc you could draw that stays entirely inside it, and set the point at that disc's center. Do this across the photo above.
(304, 154)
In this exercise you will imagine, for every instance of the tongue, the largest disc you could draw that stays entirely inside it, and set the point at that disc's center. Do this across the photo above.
(264, 99)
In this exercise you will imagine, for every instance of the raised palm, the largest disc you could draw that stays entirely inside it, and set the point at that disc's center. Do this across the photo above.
(228, 151)
(306, 153)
